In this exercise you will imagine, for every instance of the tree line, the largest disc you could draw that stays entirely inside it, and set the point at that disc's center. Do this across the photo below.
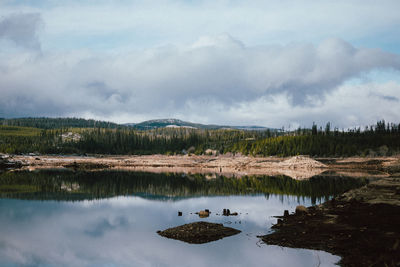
(379, 139)
(54, 123)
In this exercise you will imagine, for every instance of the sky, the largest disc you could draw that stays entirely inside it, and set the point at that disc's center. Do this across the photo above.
(268, 63)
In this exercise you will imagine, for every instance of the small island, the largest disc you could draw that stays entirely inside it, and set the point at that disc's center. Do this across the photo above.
(199, 232)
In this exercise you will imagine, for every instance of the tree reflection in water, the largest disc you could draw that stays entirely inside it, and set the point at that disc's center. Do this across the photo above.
(82, 185)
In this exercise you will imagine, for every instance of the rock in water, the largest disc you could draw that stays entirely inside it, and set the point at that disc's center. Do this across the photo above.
(301, 210)
(204, 214)
(199, 232)
(285, 213)
(226, 212)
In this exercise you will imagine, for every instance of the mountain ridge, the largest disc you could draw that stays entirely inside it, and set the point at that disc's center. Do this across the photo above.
(177, 123)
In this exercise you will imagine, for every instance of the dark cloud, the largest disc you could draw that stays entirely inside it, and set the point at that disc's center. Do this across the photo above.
(387, 97)
(390, 98)
(21, 28)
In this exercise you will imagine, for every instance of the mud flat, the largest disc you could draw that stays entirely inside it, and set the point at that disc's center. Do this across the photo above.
(361, 226)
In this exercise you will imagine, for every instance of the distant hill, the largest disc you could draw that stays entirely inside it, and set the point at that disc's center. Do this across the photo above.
(175, 123)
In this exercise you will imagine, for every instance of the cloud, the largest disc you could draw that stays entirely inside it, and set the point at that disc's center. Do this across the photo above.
(214, 73)
(346, 106)
(21, 28)
(112, 24)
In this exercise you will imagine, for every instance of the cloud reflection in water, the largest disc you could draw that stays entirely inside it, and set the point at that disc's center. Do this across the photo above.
(122, 231)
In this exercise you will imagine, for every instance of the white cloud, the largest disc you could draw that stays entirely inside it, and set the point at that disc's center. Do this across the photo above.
(215, 74)
(133, 60)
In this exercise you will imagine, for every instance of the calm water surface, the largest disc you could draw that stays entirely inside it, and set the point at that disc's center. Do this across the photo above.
(77, 221)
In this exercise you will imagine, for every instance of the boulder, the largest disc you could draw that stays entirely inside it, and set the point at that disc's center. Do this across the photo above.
(204, 214)
(301, 209)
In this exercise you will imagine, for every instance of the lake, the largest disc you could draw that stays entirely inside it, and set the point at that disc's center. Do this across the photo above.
(110, 218)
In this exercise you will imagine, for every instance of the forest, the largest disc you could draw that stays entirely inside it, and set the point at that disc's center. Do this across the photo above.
(79, 136)
(54, 123)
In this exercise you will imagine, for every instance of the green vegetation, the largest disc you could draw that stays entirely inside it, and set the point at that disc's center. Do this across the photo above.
(123, 141)
(380, 139)
(18, 131)
(69, 185)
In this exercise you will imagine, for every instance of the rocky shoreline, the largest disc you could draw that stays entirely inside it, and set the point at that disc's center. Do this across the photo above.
(361, 226)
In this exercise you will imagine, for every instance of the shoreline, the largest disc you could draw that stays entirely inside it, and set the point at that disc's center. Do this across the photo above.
(297, 167)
